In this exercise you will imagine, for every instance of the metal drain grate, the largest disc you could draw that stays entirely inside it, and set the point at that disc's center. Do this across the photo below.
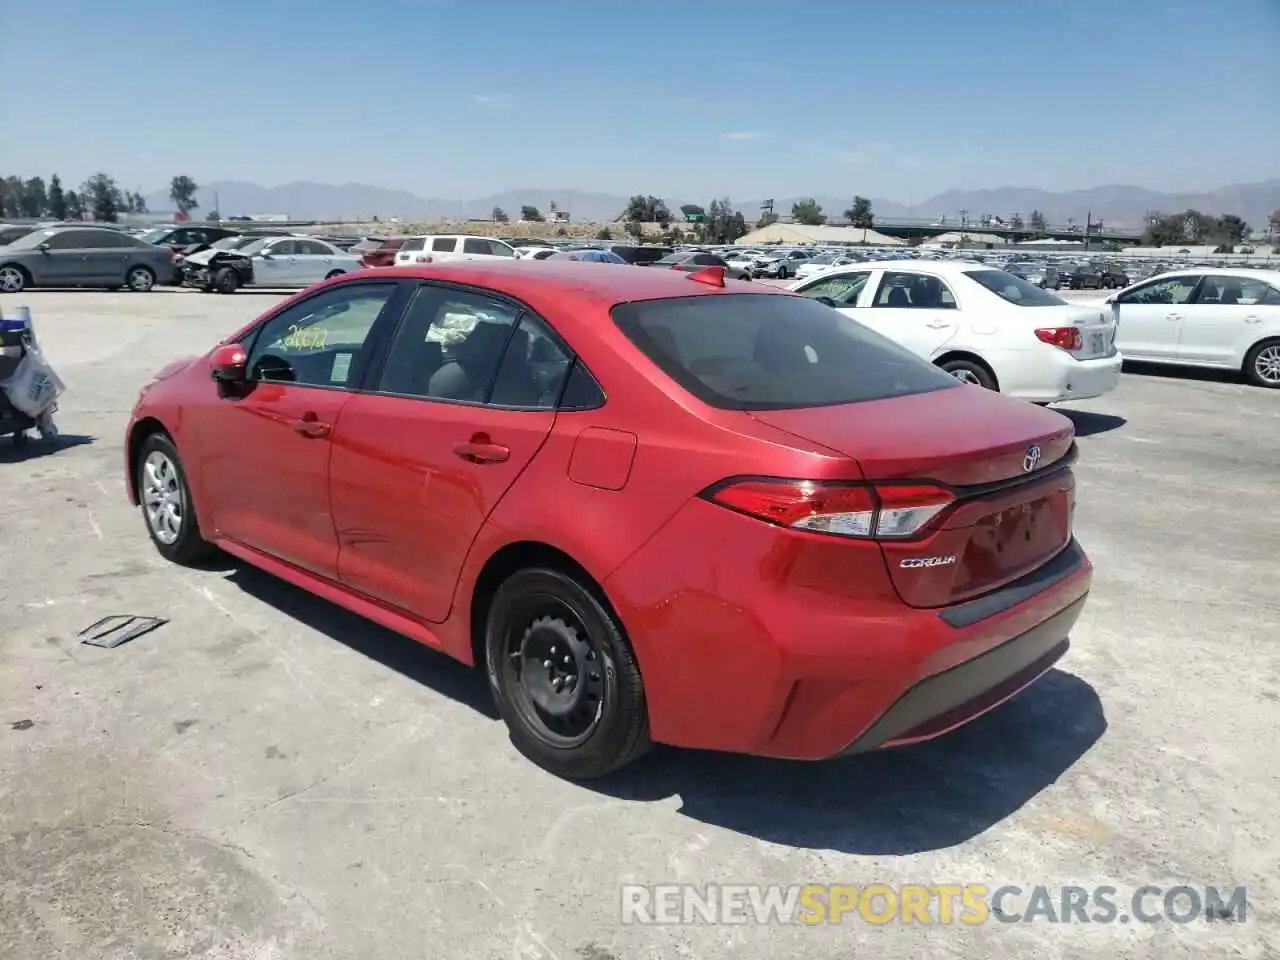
(111, 632)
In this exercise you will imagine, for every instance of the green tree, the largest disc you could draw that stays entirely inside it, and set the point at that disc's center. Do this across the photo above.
(646, 209)
(1039, 225)
(808, 212)
(531, 214)
(604, 234)
(75, 206)
(137, 203)
(1273, 224)
(1165, 230)
(182, 192)
(1017, 223)
(103, 198)
(693, 213)
(213, 216)
(498, 215)
(12, 190)
(1230, 229)
(723, 224)
(35, 199)
(57, 199)
(859, 214)
(766, 219)
(635, 228)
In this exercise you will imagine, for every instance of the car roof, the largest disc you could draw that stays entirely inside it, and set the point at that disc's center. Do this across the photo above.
(556, 284)
(1240, 273)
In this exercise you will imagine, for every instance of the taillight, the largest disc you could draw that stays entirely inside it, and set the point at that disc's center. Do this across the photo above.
(1068, 338)
(863, 511)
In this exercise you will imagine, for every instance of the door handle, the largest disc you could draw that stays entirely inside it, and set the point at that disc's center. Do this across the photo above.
(937, 324)
(1173, 316)
(480, 449)
(1252, 319)
(310, 427)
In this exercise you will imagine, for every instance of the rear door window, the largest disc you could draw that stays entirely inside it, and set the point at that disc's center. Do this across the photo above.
(913, 291)
(772, 352)
(444, 244)
(413, 243)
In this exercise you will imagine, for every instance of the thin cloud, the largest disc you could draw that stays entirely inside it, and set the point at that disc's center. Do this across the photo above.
(742, 135)
(491, 97)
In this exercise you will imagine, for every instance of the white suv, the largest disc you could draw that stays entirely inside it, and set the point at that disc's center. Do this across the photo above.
(435, 249)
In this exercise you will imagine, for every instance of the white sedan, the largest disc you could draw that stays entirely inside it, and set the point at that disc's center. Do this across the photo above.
(821, 264)
(1205, 317)
(981, 325)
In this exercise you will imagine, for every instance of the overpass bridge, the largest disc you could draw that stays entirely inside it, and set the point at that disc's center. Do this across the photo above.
(923, 229)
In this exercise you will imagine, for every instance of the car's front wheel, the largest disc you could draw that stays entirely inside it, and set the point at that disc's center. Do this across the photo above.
(165, 498)
(12, 280)
(226, 280)
(563, 675)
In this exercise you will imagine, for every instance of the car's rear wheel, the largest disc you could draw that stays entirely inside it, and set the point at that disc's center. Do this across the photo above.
(1262, 364)
(563, 675)
(969, 371)
(140, 279)
(165, 499)
(226, 281)
(12, 280)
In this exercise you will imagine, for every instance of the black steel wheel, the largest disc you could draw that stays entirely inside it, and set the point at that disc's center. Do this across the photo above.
(563, 676)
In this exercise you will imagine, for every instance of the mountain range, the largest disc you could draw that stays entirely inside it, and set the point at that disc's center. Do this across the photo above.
(1116, 204)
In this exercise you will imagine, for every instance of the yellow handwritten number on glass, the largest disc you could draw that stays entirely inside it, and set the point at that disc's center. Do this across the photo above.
(305, 338)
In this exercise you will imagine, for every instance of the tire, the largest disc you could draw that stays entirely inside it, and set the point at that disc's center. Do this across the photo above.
(226, 280)
(334, 273)
(1262, 364)
(596, 725)
(967, 371)
(166, 504)
(13, 279)
(140, 279)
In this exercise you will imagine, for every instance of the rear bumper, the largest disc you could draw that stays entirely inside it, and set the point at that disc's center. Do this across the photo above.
(742, 651)
(1050, 375)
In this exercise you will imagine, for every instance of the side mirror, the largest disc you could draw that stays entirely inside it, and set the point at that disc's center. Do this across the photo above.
(266, 254)
(42, 247)
(229, 363)
(1110, 300)
(827, 300)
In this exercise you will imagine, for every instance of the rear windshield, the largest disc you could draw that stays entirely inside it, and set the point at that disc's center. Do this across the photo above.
(641, 255)
(674, 258)
(1014, 289)
(772, 352)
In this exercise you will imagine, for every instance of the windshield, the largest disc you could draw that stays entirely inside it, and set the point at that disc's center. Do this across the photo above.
(253, 246)
(31, 240)
(231, 243)
(772, 352)
(154, 236)
(1014, 289)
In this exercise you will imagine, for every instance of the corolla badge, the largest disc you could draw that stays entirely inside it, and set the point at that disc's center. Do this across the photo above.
(915, 563)
(1031, 460)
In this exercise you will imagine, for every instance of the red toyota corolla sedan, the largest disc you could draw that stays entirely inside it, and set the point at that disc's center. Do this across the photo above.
(658, 506)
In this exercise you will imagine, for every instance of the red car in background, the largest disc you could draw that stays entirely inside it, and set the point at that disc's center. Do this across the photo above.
(378, 253)
(657, 506)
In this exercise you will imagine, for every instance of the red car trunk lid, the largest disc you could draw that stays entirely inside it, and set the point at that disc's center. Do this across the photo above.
(1002, 459)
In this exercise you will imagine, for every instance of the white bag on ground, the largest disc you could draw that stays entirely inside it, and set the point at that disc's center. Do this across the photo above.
(34, 387)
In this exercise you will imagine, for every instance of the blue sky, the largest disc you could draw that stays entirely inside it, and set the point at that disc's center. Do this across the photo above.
(747, 98)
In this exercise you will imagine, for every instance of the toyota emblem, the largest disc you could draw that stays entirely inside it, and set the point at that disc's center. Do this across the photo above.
(1031, 460)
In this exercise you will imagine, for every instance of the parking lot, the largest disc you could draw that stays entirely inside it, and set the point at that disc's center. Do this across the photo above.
(266, 776)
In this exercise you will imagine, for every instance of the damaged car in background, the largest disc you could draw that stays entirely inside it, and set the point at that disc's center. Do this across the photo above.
(272, 262)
